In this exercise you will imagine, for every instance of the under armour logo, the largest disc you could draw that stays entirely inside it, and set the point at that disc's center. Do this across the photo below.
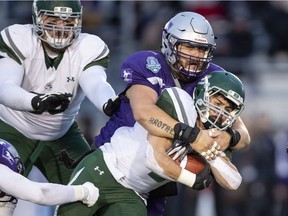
(70, 79)
(100, 172)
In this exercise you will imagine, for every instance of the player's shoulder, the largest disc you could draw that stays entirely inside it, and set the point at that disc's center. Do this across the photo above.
(18, 34)
(89, 44)
(18, 40)
(18, 29)
(144, 62)
(214, 67)
(178, 104)
(144, 55)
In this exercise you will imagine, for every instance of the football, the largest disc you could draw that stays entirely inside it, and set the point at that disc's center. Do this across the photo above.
(192, 163)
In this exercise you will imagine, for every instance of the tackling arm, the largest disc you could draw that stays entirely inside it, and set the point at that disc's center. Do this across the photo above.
(143, 103)
(224, 137)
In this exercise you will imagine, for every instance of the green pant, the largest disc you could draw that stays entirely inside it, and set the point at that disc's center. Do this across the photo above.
(114, 199)
(45, 154)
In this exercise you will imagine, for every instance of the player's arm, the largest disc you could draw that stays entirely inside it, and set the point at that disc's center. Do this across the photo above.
(245, 139)
(172, 170)
(238, 138)
(11, 94)
(20, 187)
(143, 103)
(164, 161)
(225, 173)
(15, 97)
(157, 122)
(93, 82)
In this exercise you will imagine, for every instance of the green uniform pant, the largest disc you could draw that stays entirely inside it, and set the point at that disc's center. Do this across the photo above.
(114, 199)
(45, 154)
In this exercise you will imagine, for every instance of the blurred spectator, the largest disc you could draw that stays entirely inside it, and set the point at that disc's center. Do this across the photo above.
(278, 12)
(281, 168)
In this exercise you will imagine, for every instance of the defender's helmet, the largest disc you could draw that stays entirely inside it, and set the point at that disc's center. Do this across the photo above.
(191, 29)
(225, 84)
(12, 157)
(55, 35)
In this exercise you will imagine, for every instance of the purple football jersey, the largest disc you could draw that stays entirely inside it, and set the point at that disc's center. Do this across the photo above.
(146, 68)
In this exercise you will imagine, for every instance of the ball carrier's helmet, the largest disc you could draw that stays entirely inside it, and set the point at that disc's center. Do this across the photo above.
(192, 29)
(57, 36)
(225, 84)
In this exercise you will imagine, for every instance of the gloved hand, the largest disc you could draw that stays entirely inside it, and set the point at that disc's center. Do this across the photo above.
(87, 193)
(203, 179)
(91, 194)
(52, 102)
(112, 106)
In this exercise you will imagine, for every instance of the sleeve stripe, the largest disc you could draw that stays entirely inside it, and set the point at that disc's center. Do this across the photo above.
(13, 45)
(103, 52)
(181, 106)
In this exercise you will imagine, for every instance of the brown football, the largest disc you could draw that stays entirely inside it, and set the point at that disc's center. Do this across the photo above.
(192, 163)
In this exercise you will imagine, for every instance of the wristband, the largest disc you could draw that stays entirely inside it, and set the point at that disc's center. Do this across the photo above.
(186, 178)
(235, 137)
(78, 192)
(185, 132)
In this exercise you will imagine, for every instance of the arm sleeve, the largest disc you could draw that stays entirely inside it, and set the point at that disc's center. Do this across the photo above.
(11, 94)
(18, 186)
(93, 82)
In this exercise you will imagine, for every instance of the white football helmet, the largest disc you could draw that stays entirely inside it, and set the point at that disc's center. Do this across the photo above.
(192, 29)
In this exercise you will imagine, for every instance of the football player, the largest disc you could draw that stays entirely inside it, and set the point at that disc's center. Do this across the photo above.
(136, 162)
(14, 186)
(185, 58)
(47, 68)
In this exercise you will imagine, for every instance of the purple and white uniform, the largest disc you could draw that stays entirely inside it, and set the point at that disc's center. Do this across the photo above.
(147, 68)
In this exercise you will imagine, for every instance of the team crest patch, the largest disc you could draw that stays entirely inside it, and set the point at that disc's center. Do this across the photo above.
(153, 64)
(127, 75)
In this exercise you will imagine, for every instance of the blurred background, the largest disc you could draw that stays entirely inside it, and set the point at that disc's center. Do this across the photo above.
(252, 43)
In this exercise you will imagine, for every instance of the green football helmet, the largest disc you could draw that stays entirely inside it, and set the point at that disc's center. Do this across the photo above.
(227, 85)
(57, 36)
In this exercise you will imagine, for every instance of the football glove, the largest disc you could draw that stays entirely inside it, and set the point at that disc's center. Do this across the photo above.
(87, 193)
(112, 106)
(203, 179)
(53, 103)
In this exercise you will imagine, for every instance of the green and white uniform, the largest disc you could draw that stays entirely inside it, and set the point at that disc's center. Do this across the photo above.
(26, 68)
(125, 169)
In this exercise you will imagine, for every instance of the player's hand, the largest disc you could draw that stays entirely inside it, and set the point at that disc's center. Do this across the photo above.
(112, 106)
(91, 194)
(203, 179)
(52, 102)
